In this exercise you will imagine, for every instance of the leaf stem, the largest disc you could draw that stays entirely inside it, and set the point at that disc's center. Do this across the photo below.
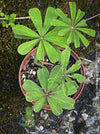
(28, 17)
(45, 63)
(86, 59)
(17, 18)
(93, 17)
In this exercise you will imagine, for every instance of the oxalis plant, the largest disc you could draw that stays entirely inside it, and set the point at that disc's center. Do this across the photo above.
(9, 19)
(57, 87)
(62, 82)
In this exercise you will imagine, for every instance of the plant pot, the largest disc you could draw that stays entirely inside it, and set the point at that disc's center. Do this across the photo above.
(26, 61)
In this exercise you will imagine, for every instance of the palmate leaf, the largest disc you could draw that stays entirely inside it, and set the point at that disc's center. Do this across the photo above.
(50, 15)
(57, 40)
(64, 88)
(53, 37)
(53, 32)
(70, 37)
(71, 86)
(30, 86)
(74, 67)
(56, 109)
(65, 55)
(80, 78)
(83, 39)
(38, 105)
(25, 31)
(28, 112)
(22, 36)
(88, 31)
(25, 47)
(62, 15)
(63, 31)
(33, 95)
(72, 10)
(58, 90)
(79, 16)
(36, 18)
(43, 75)
(82, 23)
(76, 40)
(55, 77)
(40, 54)
(64, 101)
(59, 23)
(51, 52)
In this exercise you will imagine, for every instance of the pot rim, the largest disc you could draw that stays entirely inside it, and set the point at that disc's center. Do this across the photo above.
(73, 54)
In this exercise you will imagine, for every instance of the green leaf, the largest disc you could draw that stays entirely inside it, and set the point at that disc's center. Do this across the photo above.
(83, 39)
(33, 96)
(25, 47)
(43, 75)
(72, 10)
(54, 31)
(30, 86)
(80, 78)
(79, 16)
(56, 109)
(38, 105)
(53, 37)
(52, 53)
(36, 18)
(2, 14)
(59, 23)
(25, 31)
(65, 55)
(71, 86)
(13, 15)
(64, 88)
(64, 101)
(76, 40)
(58, 90)
(24, 124)
(23, 119)
(22, 36)
(70, 37)
(62, 15)
(28, 112)
(11, 24)
(7, 17)
(74, 67)
(63, 31)
(50, 15)
(11, 21)
(88, 31)
(55, 77)
(4, 24)
(82, 23)
(40, 51)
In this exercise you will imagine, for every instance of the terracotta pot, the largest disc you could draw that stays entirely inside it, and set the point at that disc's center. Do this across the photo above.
(25, 62)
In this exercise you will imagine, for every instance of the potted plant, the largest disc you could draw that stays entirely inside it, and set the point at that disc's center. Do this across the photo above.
(57, 86)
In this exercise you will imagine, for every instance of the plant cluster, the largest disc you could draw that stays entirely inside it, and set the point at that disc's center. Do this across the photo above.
(28, 118)
(9, 19)
(56, 87)
(58, 29)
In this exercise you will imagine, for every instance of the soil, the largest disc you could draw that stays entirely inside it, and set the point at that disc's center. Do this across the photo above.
(31, 69)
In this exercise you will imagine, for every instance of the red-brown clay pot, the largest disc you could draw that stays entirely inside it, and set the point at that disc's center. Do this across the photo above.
(25, 62)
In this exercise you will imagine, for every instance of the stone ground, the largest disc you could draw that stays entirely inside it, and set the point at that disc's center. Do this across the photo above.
(85, 117)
